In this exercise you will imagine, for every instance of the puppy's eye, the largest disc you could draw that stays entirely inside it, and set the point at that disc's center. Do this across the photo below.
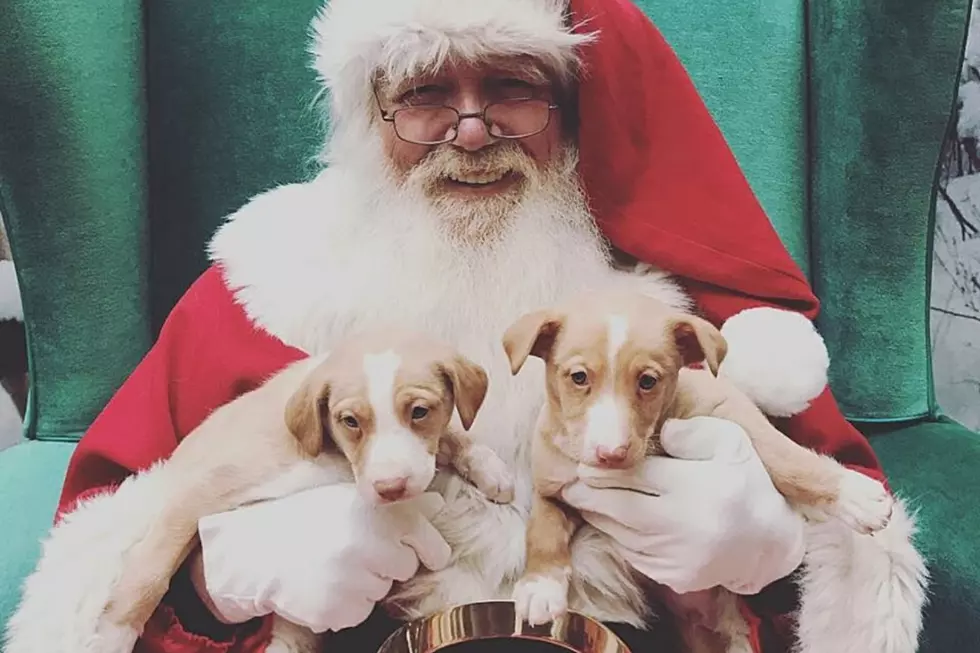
(419, 412)
(580, 378)
(647, 381)
(350, 422)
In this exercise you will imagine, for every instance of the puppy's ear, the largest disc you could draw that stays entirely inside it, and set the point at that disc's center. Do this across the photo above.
(468, 383)
(533, 334)
(698, 340)
(307, 416)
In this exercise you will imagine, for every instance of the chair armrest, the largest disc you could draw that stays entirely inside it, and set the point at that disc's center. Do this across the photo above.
(934, 466)
(31, 476)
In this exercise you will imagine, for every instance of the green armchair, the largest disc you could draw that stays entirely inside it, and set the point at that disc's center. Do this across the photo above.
(128, 130)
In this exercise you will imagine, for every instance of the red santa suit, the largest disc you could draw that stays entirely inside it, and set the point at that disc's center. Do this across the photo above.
(643, 134)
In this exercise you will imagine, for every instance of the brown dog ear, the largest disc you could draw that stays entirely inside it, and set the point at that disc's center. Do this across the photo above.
(698, 340)
(469, 383)
(307, 416)
(533, 334)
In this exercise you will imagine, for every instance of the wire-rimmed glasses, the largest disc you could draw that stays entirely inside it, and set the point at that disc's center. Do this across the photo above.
(437, 124)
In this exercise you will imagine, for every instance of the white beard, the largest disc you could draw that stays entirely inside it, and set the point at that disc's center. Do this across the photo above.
(314, 262)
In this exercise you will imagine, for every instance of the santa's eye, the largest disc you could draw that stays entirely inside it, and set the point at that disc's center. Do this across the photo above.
(419, 412)
(423, 95)
(580, 378)
(647, 381)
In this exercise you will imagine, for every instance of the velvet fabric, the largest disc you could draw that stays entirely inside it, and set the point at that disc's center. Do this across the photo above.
(879, 110)
(73, 193)
(232, 111)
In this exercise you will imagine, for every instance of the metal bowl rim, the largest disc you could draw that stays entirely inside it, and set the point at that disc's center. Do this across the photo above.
(499, 616)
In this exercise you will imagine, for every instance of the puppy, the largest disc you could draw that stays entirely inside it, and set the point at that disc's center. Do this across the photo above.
(377, 410)
(618, 366)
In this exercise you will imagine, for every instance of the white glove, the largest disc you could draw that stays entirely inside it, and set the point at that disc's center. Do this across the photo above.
(708, 515)
(320, 558)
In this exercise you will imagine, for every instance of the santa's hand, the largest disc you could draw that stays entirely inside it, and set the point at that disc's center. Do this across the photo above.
(321, 558)
(708, 515)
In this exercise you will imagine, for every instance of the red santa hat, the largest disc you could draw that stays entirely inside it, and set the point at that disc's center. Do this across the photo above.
(663, 184)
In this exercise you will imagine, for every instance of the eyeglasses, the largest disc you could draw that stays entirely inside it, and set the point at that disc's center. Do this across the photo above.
(438, 124)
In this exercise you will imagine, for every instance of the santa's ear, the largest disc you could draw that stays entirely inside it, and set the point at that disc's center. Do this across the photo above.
(533, 334)
(469, 383)
(307, 413)
(697, 340)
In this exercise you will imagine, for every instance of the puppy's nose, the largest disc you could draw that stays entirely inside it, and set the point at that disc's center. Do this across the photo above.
(391, 489)
(607, 456)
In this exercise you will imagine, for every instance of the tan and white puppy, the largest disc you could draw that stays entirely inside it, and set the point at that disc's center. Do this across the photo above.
(386, 402)
(618, 366)
(378, 410)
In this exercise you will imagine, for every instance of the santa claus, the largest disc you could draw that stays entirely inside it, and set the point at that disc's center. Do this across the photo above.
(486, 158)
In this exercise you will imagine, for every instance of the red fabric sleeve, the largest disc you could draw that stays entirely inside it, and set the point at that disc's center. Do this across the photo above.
(208, 352)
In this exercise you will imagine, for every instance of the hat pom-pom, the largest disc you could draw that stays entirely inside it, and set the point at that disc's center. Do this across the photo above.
(777, 358)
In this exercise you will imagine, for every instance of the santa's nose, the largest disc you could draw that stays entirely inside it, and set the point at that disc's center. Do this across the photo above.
(472, 133)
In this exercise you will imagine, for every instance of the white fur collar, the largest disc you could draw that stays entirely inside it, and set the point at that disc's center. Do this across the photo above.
(311, 261)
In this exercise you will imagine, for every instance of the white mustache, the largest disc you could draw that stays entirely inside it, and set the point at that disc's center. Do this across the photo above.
(493, 161)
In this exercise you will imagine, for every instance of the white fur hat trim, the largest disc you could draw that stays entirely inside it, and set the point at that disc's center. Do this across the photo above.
(777, 358)
(355, 40)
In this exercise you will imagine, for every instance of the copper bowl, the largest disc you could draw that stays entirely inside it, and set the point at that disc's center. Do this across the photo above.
(495, 620)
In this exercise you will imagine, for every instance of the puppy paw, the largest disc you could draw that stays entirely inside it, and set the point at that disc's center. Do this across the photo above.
(863, 504)
(540, 599)
(490, 474)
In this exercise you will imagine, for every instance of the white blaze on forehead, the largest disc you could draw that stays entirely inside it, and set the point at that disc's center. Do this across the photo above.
(392, 451)
(606, 422)
(381, 370)
(617, 326)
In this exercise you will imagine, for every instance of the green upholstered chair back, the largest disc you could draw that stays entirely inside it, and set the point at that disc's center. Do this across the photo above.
(128, 130)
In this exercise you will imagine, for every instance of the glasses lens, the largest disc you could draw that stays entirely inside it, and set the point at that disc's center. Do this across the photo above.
(426, 124)
(518, 118)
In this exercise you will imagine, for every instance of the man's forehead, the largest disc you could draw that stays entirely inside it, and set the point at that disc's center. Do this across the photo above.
(526, 67)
